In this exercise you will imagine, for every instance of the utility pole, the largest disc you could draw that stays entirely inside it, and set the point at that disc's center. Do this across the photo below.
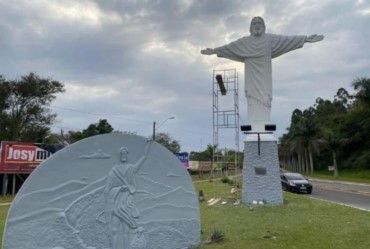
(154, 130)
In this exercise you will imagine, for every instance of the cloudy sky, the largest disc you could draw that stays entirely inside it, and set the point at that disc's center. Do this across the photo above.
(136, 62)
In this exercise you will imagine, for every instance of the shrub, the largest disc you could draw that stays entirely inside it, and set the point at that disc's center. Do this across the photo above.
(227, 180)
(217, 236)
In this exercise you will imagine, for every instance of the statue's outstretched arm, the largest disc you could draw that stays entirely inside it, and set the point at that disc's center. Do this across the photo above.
(140, 162)
(208, 51)
(314, 38)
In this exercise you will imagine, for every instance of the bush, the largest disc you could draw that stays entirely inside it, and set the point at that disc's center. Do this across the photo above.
(362, 161)
(227, 180)
(217, 236)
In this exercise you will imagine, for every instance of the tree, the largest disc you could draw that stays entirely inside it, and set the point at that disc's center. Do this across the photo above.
(206, 155)
(24, 112)
(199, 156)
(356, 127)
(330, 115)
(332, 141)
(341, 127)
(343, 97)
(211, 150)
(54, 138)
(303, 136)
(362, 86)
(102, 127)
(167, 141)
(234, 156)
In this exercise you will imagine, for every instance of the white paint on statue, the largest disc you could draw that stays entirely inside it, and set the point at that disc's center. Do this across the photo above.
(261, 175)
(256, 52)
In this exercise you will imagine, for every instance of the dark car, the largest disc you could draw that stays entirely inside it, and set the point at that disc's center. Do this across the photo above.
(296, 183)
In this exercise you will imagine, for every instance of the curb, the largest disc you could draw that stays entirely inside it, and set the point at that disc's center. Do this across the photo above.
(341, 182)
(344, 190)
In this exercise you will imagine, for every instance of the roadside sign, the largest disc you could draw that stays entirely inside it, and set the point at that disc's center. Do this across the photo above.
(20, 157)
(184, 158)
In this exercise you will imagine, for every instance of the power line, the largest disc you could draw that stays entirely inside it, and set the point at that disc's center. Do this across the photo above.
(64, 127)
(119, 117)
(122, 118)
(101, 115)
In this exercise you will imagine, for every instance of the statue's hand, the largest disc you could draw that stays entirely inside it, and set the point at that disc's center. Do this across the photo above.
(123, 188)
(207, 51)
(314, 38)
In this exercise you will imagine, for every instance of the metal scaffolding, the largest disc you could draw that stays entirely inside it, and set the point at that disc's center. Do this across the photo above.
(225, 111)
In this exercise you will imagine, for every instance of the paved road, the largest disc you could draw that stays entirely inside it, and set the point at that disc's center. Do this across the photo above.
(351, 194)
(347, 193)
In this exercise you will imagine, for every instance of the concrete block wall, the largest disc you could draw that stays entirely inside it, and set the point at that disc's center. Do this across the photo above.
(261, 173)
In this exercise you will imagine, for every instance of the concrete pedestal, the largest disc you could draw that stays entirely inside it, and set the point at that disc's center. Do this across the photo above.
(261, 173)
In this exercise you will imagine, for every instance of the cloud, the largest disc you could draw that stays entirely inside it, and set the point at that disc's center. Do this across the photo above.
(136, 62)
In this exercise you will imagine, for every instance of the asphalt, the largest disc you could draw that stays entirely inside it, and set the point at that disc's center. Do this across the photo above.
(344, 186)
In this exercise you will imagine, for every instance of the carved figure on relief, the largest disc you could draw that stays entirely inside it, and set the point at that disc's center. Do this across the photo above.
(121, 212)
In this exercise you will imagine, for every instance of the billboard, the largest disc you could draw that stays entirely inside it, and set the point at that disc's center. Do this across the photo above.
(184, 158)
(200, 165)
(20, 157)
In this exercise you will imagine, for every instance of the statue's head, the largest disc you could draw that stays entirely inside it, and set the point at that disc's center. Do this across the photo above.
(257, 26)
(123, 152)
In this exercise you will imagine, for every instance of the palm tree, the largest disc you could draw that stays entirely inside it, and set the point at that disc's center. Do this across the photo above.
(305, 136)
(332, 141)
(211, 152)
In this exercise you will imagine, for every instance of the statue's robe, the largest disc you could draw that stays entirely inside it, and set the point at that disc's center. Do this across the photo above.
(119, 192)
(256, 53)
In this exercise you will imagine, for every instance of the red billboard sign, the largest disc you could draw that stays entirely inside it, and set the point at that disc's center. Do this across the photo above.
(17, 157)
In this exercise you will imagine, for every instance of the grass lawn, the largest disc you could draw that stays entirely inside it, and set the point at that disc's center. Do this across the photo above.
(353, 176)
(301, 222)
(3, 213)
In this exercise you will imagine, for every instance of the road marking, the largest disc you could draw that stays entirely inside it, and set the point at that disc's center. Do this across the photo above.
(341, 182)
(342, 204)
(360, 192)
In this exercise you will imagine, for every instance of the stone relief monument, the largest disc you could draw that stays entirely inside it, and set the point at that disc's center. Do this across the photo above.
(113, 191)
(261, 176)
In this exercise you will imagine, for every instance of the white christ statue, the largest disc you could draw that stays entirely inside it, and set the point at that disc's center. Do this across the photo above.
(256, 51)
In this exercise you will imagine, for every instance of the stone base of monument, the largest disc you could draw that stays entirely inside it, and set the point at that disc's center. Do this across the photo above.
(261, 173)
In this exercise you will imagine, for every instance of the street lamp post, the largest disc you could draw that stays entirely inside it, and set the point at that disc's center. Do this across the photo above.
(156, 128)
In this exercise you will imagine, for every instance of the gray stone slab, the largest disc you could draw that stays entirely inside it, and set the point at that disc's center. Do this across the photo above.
(106, 192)
(261, 173)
